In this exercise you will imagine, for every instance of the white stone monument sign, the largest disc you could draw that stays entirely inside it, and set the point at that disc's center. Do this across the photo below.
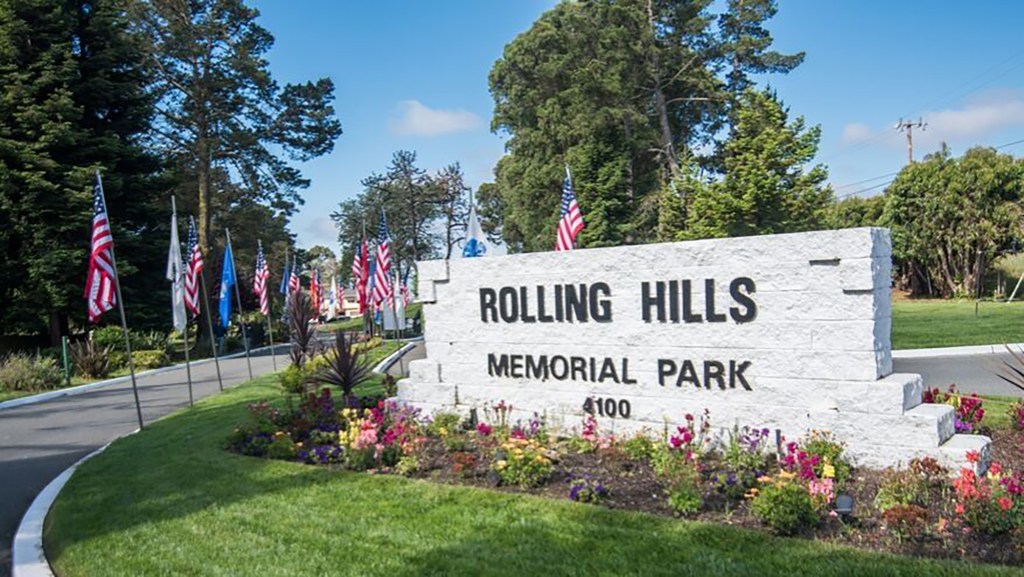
(789, 332)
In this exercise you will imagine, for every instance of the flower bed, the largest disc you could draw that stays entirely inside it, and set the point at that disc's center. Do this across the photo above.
(754, 478)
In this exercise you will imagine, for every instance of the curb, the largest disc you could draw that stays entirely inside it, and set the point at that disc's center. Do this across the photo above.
(954, 351)
(28, 556)
(72, 391)
(391, 359)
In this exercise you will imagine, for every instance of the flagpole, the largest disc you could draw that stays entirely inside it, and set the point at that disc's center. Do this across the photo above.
(270, 311)
(238, 297)
(209, 324)
(184, 333)
(124, 322)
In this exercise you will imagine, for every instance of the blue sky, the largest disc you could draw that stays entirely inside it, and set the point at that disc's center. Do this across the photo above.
(413, 75)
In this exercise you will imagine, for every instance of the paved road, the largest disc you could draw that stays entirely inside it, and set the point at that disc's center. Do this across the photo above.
(39, 441)
(972, 374)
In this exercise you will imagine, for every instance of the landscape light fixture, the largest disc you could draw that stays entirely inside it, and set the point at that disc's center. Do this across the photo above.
(844, 505)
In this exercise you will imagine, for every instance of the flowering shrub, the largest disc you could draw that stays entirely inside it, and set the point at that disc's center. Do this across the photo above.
(692, 439)
(745, 459)
(1017, 416)
(586, 489)
(523, 462)
(799, 462)
(784, 503)
(678, 464)
(534, 429)
(639, 447)
(992, 503)
(829, 454)
(968, 410)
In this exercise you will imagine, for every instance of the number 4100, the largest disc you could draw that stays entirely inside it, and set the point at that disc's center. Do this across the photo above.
(607, 407)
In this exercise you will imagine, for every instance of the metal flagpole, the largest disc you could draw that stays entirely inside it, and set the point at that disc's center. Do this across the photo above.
(270, 310)
(209, 318)
(238, 297)
(184, 333)
(209, 324)
(124, 322)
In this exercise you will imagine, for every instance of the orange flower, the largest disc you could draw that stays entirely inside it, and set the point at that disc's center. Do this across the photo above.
(959, 508)
(973, 456)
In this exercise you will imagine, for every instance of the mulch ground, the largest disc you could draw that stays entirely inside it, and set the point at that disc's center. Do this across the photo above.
(633, 486)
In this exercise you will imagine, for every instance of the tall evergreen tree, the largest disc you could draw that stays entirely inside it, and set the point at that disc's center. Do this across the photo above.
(221, 113)
(74, 101)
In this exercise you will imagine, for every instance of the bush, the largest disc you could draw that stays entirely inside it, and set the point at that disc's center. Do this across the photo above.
(293, 379)
(679, 470)
(522, 462)
(25, 373)
(108, 337)
(639, 447)
(586, 489)
(992, 503)
(906, 521)
(150, 359)
(90, 359)
(149, 341)
(745, 459)
(1017, 416)
(909, 486)
(784, 504)
(829, 454)
(344, 367)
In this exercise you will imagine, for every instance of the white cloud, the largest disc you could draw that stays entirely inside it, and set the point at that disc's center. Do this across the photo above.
(417, 119)
(321, 231)
(856, 132)
(981, 115)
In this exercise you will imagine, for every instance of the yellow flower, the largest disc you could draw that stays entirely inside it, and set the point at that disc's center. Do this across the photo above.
(828, 471)
(501, 464)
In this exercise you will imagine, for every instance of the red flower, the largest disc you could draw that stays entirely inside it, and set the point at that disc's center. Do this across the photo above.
(973, 456)
(959, 508)
(1005, 503)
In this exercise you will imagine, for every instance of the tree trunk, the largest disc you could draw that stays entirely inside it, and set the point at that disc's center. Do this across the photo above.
(667, 148)
(58, 327)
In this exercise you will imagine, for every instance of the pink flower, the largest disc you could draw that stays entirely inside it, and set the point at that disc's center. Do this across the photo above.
(484, 429)
(973, 456)
(1005, 503)
(959, 509)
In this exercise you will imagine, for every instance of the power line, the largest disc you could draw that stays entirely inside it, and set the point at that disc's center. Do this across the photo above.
(866, 180)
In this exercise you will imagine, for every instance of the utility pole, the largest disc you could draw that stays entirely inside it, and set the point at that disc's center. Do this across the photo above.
(908, 127)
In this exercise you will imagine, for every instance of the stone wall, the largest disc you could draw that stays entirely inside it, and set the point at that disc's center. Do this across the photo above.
(790, 332)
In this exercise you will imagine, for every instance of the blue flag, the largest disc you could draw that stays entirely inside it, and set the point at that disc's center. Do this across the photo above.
(284, 277)
(227, 281)
(475, 244)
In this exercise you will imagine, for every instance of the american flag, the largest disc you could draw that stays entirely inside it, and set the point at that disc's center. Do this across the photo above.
(382, 283)
(260, 281)
(99, 285)
(193, 270)
(571, 222)
(361, 273)
(293, 279)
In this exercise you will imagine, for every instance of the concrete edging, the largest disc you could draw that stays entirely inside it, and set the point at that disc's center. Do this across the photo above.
(28, 559)
(391, 359)
(954, 351)
(72, 391)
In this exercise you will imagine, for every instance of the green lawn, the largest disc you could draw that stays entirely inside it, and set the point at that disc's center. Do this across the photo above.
(918, 324)
(171, 501)
(355, 324)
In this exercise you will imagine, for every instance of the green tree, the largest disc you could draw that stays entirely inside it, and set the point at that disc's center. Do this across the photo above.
(950, 217)
(767, 187)
(220, 112)
(746, 43)
(453, 205)
(855, 212)
(74, 101)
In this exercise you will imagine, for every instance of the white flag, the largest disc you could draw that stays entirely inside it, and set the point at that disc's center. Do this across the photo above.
(176, 274)
(475, 243)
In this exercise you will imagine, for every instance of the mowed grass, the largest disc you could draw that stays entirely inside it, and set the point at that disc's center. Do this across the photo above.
(918, 324)
(171, 501)
(356, 323)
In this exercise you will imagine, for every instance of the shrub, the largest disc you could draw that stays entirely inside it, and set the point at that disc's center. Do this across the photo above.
(906, 521)
(444, 424)
(639, 447)
(344, 368)
(90, 359)
(20, 372)
(292, 379)
(1017, 415)
(149, 341)
(910, 486)
(745, 459)
(992, 503)
(829, 454)
(150, 359)
(784, 504)
(522, 462)
(108, 336)
(680, 472)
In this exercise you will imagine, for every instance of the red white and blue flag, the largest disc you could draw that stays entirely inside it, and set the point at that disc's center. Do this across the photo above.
(382, 289)
(100, 290)
(260, 281)
(293, 279)
(193, 270)
(361, 273)
(315, 292)
(571, 222)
